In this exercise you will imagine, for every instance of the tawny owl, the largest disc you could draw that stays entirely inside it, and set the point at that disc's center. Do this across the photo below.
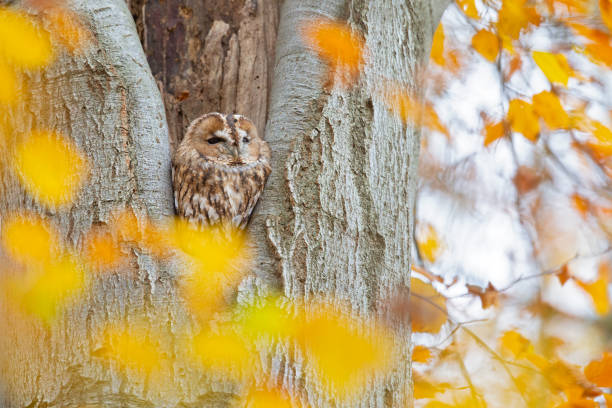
(219, 170)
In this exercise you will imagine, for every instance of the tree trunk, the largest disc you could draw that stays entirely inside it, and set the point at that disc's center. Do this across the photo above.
(335, 219)
(338, 209)
(209, 56)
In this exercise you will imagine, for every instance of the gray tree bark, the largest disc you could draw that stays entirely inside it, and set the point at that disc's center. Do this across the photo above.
(338, 209)
(335, 220)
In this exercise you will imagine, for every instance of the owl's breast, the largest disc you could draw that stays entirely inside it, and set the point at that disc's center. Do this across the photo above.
(210, 194)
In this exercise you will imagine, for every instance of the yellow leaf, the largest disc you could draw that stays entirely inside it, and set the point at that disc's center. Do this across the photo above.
(45, 291)
(268, 318)
(548, 106)
(599, 372)
(427, 307)
(469, 8)
(10, 84)
(51, 168)
(421, 354)
(225, 352)
(493, 132)
(337, 44)
(554, 66)
(22, 42)
(424, 388)
(132, 347)
(219, 257)
(598, 290)
(428, 242)
(217, 249)
(30, 240)
(523, 119)
(487, 44)
(344, 353)
(437, 47)
(514, 342)
(605, 6)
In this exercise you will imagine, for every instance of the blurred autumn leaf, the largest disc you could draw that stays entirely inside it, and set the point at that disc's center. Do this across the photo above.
(51, 168)
(224, 351)
(426, 306)
(132, 347)
(343, 352)
(23, 43)
(554, 66)
(30, 240)
(269, 398)
(342, 48)
(600, 371)
(487, 44)
(523, 119)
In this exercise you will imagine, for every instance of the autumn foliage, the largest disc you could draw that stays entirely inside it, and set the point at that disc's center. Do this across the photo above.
(499, 338)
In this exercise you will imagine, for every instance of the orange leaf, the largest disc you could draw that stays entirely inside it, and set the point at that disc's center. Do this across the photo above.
(526, 179)
(605, 6)
(600, 53)
(409, 109)
(427, 307)
(268, 398)
(599, 372)
(515, 64)
(523, 119)
(487, 44)
(102, 251)
(437, 47)
(493, 131)
(67, 29)
(337, 44)
(581, 204)
(469, 8)
(514, 17)
(488, 297)
(548, 106)
(421, 354)
(564, 274)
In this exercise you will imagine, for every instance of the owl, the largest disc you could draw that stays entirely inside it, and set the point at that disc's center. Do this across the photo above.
(219, 170)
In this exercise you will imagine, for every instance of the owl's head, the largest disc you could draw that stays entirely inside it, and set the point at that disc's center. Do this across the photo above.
(231, 140)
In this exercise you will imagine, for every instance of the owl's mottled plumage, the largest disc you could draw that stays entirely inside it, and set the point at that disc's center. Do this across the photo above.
(219, 170)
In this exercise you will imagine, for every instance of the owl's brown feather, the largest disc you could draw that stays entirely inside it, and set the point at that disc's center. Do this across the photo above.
(219, 170)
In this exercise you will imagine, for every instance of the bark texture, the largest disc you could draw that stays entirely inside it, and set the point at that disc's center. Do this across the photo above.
(209, 56)
(335, 219)
(107, 101)
(338, 210)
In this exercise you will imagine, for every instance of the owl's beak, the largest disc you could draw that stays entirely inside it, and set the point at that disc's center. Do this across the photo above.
(236, 155)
